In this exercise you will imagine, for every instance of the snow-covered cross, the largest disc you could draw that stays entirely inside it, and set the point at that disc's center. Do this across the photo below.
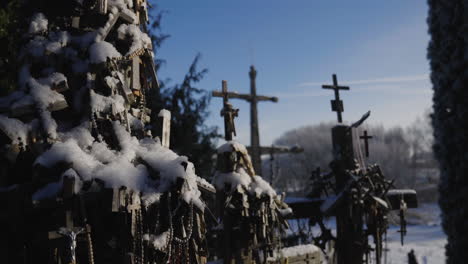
(337, 104)
(366, 138)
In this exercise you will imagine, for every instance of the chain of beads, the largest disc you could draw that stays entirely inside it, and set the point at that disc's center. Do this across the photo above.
(189, 228)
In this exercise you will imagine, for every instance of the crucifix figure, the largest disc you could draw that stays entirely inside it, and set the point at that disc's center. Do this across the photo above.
(253, 99)
(337, 104)
(228, 112)
(366, 138)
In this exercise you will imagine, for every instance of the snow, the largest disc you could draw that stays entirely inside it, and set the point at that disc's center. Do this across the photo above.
(253, 184)
(118, 168)
(111, 82)
(231, 146)
(259, 186)
(139, 39)
(80, 134)
(100, 103)
(424, 235)
(401, 191)
(166, 114)
(121, 4)
(14, 129)
(43, 97)
(100, 51)
(135, 123)
(298, 250)
(159, 241)
(54, 78)
(38, 24)
(235, 179)
(48, 123)
(428, 242)
(286, 211)
(42, 94)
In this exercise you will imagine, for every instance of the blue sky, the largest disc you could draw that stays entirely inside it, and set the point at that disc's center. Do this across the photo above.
(378, 48)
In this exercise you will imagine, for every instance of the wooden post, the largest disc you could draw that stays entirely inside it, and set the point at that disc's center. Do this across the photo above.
(348, 218)
(136, 73)
(254, 136)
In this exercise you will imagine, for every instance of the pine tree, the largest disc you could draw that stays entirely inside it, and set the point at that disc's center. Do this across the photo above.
(188, 104)
(448, 27)
(9, 35)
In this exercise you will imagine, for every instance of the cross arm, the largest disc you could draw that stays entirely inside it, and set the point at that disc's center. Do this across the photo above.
(246, 97)
(233, 95)
(408, 195)
(267, 98)
(333, 87)
(278, 150)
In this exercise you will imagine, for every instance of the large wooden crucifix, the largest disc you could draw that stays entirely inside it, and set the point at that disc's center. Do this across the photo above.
(337, 104)
(253, 99)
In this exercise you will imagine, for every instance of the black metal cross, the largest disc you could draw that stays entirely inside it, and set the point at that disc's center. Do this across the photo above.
(337, 104)
(366, 138)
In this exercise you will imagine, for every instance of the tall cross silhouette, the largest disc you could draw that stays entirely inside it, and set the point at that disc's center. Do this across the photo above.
(337, 104)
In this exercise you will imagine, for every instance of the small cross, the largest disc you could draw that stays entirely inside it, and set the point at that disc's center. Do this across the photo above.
(229, 113)
(366, 138)
(337, 104)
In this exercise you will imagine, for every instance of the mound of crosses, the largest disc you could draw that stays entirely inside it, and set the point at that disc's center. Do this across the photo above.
(361, 198)
(252, 215)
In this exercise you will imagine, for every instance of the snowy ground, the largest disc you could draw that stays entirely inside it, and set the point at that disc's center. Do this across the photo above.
(427, 241)
(424, 236)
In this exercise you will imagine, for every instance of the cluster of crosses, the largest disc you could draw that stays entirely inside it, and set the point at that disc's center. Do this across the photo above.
(358, 196)
(229, 113)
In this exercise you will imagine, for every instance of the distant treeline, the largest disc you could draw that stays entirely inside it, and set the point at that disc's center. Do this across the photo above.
(404, 154)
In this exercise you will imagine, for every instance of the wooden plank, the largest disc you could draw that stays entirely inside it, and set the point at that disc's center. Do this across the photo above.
(165, 124)
(410, 197)
(136, 85)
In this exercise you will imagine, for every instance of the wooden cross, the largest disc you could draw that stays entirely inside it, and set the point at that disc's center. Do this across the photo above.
(366, 138)
(164, 119)
(228, 112)
(337, 104)
(253, 99)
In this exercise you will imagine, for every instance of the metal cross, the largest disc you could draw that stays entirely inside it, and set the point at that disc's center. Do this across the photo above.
(366, 138)
(337, 104)
(229, 113)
